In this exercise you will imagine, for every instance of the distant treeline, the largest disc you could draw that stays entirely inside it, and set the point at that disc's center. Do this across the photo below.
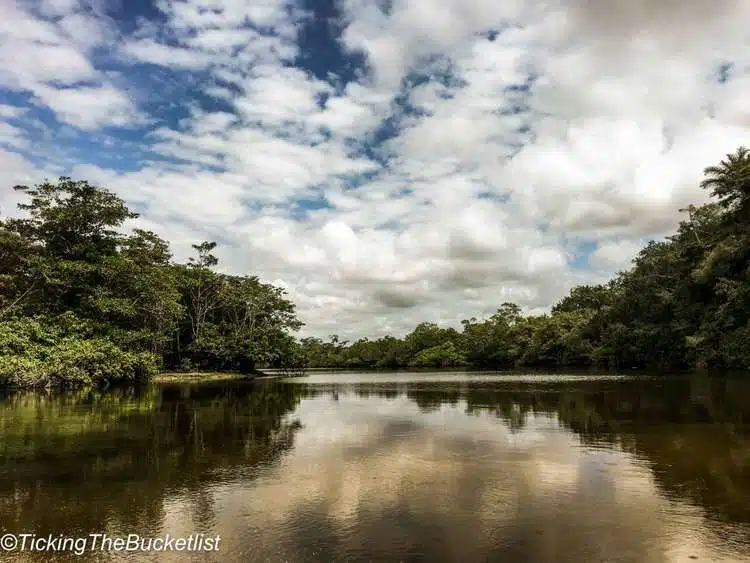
(82, 303)
(685, 304)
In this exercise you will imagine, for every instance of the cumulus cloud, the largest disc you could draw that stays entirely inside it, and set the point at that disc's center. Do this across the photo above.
(615, 253)
(420, 161)
(47, 54)
(149, 51)
(14, 170)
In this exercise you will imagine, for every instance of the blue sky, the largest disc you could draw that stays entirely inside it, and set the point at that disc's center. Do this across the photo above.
(386, 162)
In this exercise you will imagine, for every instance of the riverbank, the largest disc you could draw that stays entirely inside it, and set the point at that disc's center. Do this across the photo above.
(163, 377)
(201, 377)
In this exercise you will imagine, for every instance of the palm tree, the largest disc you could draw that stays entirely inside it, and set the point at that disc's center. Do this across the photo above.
(730, 181)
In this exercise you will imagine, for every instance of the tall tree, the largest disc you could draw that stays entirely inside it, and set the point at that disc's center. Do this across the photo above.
(729, 182)
(202, 287)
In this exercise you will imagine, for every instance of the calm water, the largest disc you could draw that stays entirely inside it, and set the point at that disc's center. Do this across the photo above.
(389, 467)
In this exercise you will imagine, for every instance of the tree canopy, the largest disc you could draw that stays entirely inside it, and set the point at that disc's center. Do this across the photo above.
(684, 304)
(81, 301)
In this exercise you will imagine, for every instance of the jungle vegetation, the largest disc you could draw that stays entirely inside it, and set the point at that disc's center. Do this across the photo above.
(683, 305)
(82, 302)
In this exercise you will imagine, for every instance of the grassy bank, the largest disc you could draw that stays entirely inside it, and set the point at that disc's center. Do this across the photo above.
(200, 377)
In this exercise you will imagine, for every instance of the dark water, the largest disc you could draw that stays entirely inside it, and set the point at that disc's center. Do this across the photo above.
(384, 467)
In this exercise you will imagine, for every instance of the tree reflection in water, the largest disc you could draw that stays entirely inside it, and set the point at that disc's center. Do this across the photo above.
(692, 431)
(124, 461)
(110, 460)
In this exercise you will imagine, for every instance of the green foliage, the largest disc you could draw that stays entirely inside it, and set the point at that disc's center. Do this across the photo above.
(232, 322)
(48, 351)
(442, 355)
(97, 361)
(684, 304)
(729, 182)
(83, 303)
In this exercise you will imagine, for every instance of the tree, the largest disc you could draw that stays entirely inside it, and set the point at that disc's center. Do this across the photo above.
(684, 303)
(73, 220)
(202, 287)
(443, 355)
(71, 229)
(254, 319)
(424, 335)
(143, 290)
(19, 259)
(730, 183)
(582, 298)
(103, 305)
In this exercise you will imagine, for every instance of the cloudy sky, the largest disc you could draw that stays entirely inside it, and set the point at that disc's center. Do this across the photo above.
(387, 162)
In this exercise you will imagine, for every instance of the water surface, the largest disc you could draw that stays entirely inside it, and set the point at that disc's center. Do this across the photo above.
(391, 467)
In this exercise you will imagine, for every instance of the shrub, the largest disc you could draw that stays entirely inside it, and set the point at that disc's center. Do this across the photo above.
(42, 351)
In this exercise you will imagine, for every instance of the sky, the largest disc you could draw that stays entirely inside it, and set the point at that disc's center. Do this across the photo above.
(386, 162)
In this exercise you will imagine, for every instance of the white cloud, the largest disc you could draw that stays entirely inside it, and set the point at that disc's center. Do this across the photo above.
(58, 7)
(9, 111)
(201, 14)
(89, 107)
(50, 59)
(582, 120)
(14, 170)
(615, 254)
(85, 31)
(43, 63)
(221, 40)
(149, 51)
(13, 136)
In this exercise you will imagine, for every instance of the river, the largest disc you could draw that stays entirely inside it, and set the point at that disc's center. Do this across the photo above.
(434, 467)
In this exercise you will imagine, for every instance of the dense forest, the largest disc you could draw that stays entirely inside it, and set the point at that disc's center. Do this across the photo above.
(82, 302)
(684, 304)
